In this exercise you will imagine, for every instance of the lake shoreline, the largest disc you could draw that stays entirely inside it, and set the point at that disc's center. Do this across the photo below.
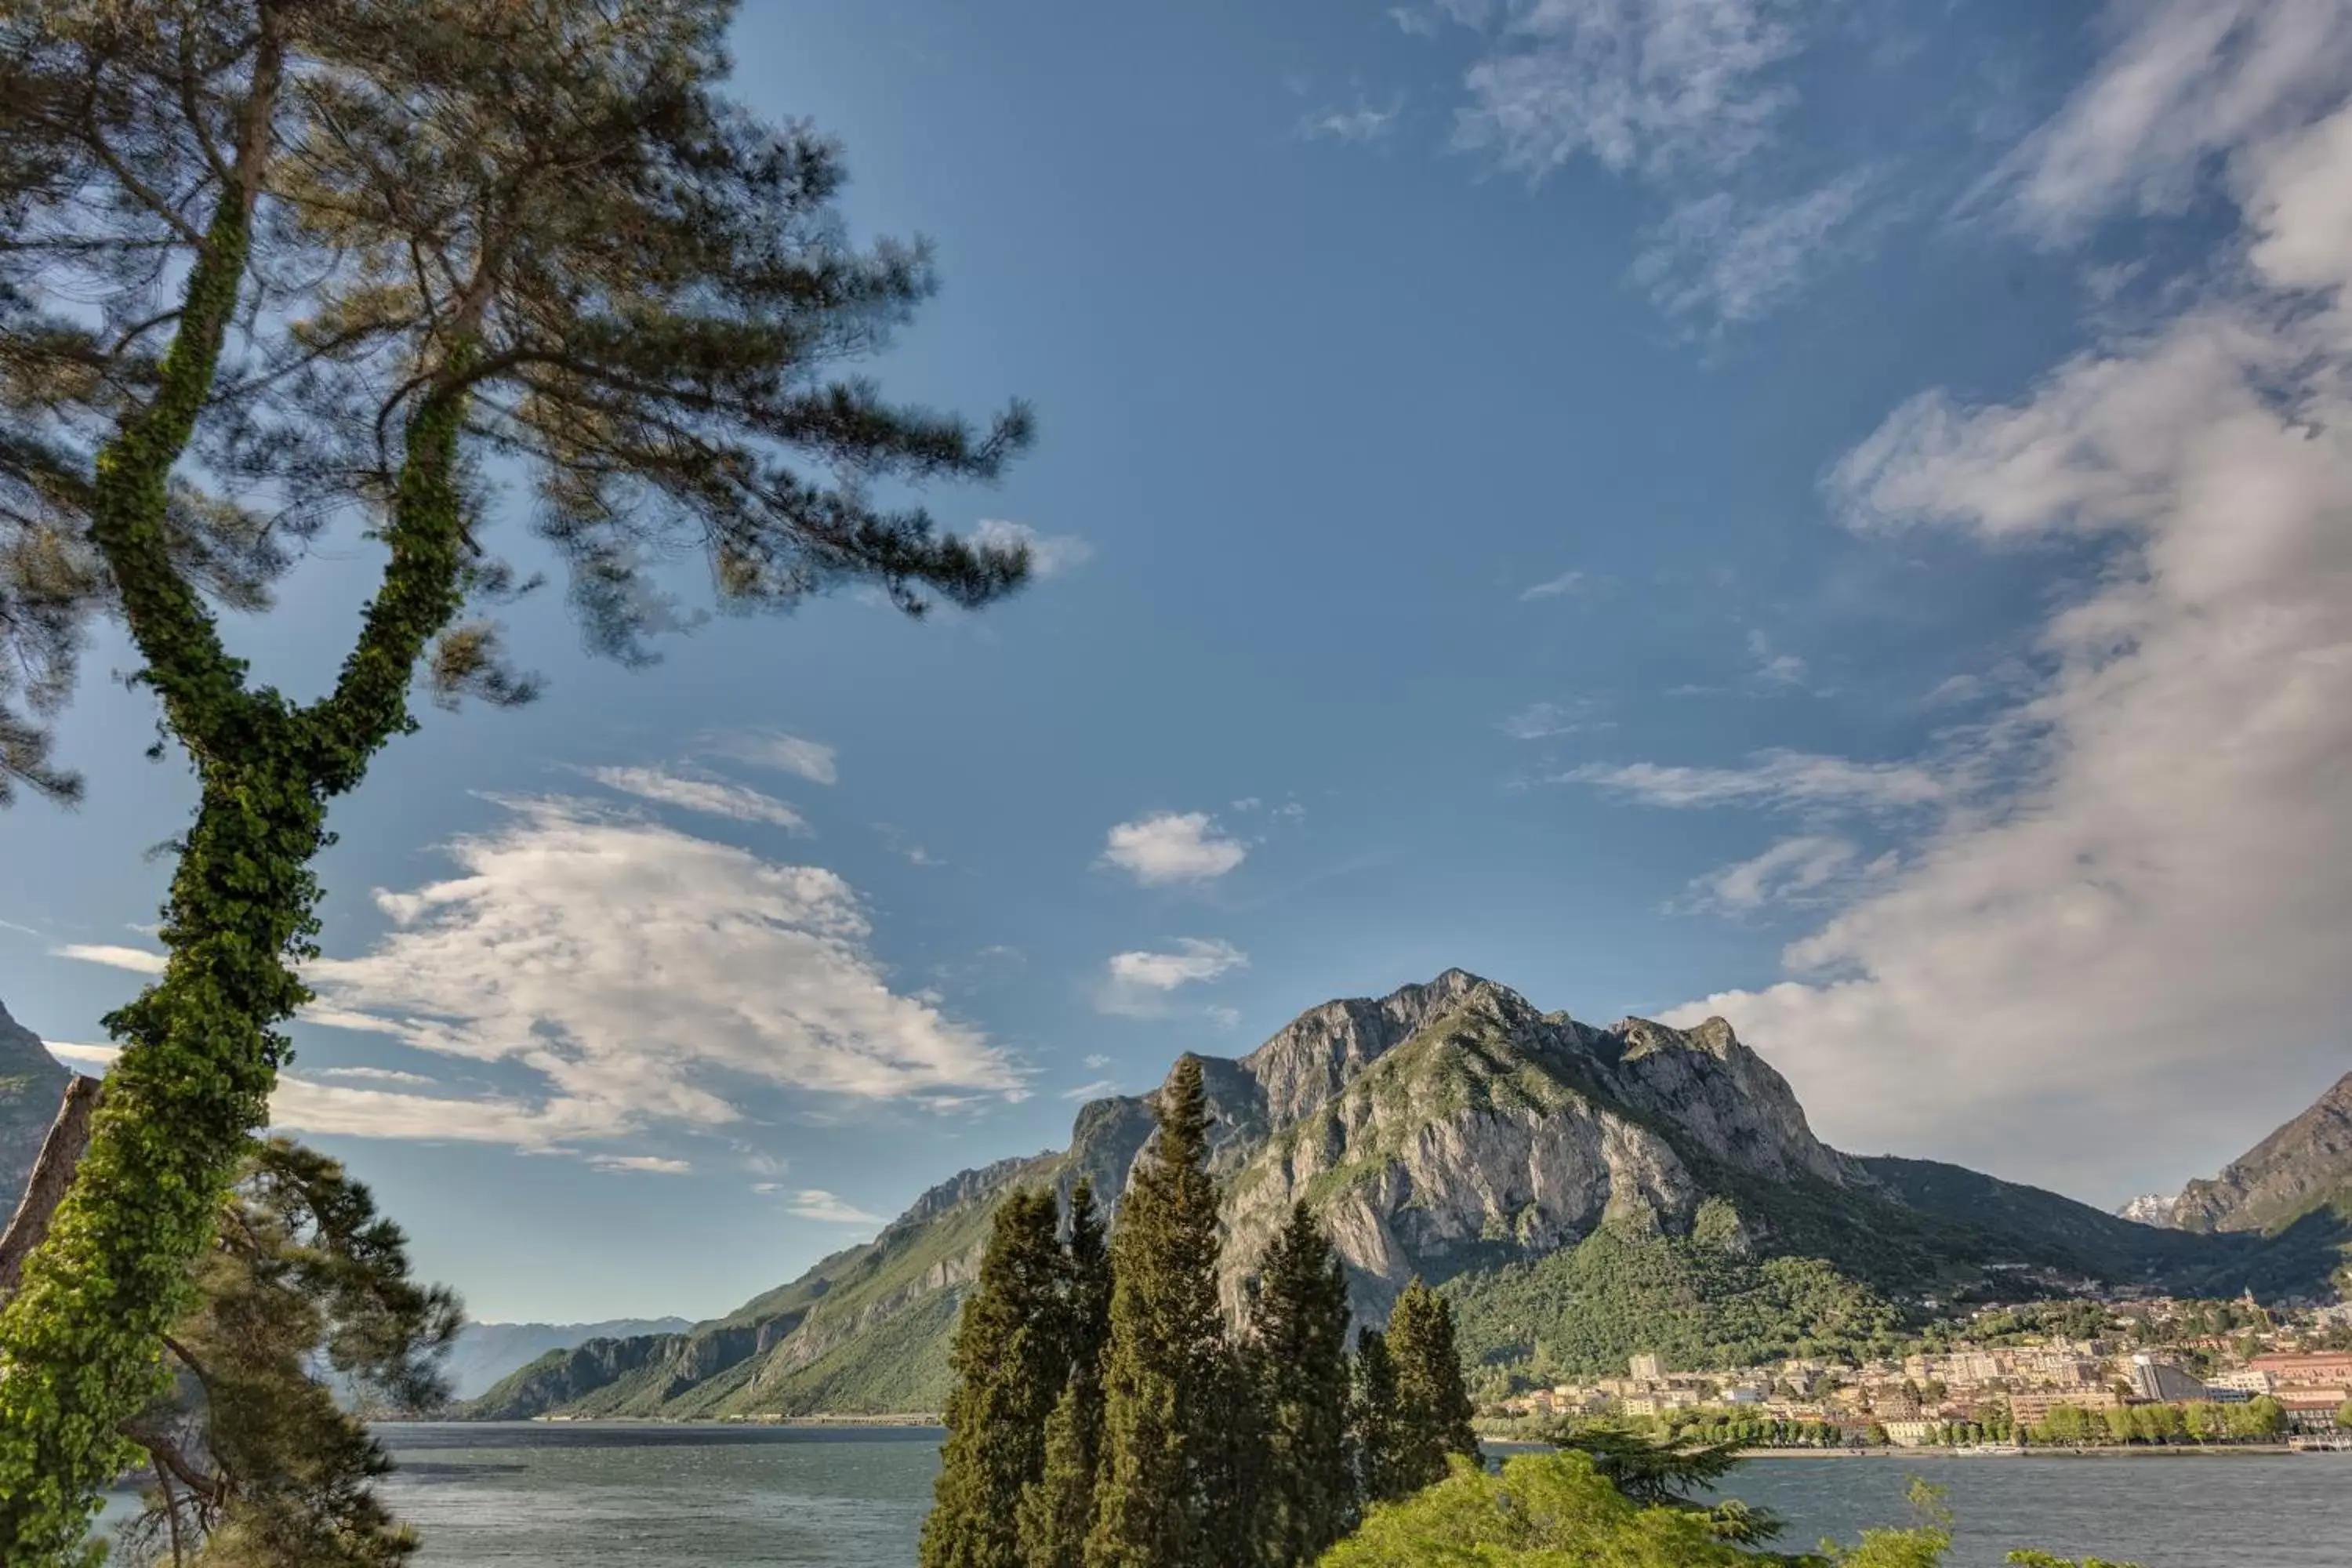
(2244, 1450)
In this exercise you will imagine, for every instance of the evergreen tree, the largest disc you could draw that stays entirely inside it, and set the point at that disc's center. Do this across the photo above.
(1010, 1363)
(1167, 1350)
(1373, 1418)
(353, 256)
(1433, 1404)
(1057, 1510)
(1298, 1354)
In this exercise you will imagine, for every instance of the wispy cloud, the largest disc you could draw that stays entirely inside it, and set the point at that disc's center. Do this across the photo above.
(138, 960)
(1094, 1090)
(1359, 124)
(1793, 870)
(1541, 720)
(811, 760)
(1173, 846)
(827, 1208)
(1050, 555)
(100, 1056)
(373, 1075)
(715, 797)
(1779, 779)
(1661, 87)
(649, 1164)
(1097, 1060)
(1552, 587)
(1720, 259)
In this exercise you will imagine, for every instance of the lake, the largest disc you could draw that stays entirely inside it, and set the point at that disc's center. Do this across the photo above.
(617, 1495)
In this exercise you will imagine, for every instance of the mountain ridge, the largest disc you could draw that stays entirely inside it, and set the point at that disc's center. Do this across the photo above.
(1530, 1164)
(32, 1084)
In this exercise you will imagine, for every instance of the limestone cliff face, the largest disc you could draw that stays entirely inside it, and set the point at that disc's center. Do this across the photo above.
(2303, 1164)
(32, 1084)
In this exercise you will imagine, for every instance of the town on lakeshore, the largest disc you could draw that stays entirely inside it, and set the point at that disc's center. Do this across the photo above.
(2159, 1372)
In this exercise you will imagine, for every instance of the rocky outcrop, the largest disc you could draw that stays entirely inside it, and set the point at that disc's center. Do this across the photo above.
(32, 1084)
(2306, 1163)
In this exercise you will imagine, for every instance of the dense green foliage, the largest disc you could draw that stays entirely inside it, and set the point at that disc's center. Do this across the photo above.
(1299, 1361)
(1167, 1355)
(1372, 1417)
(1430, 1427)
(1667, 1473)
(1057, 1509)
(352, 249)
(305, 1294)
(1582, 1311)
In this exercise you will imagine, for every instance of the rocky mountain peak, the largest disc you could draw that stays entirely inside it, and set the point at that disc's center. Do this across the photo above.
(2301, 1163)
(1322, 1050)
(32, 1082)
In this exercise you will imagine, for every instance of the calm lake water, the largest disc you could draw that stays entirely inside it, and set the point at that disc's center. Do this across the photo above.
(539, 1496)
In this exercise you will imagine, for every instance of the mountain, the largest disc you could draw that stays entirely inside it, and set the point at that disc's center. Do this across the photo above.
(1580, 1193)
(32, 1083)
(485, 1353)
(2304, 1165)
(2150, 1208)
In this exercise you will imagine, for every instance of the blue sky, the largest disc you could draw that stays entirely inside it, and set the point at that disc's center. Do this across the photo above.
(1831, 514)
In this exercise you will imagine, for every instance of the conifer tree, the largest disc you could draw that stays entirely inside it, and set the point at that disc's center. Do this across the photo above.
(1298, 1356)
(1058, 1509)
(1011, 1365)
(1373, 1418)
(1432, 1402)
(1167, 1349)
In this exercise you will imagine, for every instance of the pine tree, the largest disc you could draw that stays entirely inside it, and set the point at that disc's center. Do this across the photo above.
(1058, 1509)
(1432, 1402)
(355, 257)
(1167, 1350)
(1373, 1418)
(1298, 1358)
(1011, 1365)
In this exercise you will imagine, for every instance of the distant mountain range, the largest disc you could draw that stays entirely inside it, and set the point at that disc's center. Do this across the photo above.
(1579, 1192)
(485, 1353)
(2299, 1175)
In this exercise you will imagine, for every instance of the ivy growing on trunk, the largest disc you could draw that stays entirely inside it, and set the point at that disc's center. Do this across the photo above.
(347, 252)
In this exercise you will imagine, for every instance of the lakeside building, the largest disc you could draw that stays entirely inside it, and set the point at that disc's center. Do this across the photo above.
(1647, 1368)
(2162, 1384)
(1911, 1433)
(2031, 1409)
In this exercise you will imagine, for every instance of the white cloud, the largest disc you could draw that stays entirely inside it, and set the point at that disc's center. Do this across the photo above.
(1227, 1018)
(2150, 920)
(1359, 124)
(651, 1165)
(1780, 779)
(1097, 1060)
(811, 760)
(1173, 846)
(303, 1105)
(1793, 870)
(1540, 721)
(642, 976)
(816, 1204)
(138, 960)
(1552, 587)
(715, 797)
(1094, 1090)
(1774, 666)
(1718, 258)
(2185, 81)
(1657, 85)
(373, 1075)
(99, 1057)
(1139, 982)
(1050, 555)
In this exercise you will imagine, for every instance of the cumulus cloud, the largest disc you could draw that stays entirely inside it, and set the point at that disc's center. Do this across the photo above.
(1722, 260)
(1139, 982)
(1779, 779)
(2150, 921)
(1051, 555)
(1657, 85)
(816, 1204)
(2182, 83)
(138, 960)
(1097, 1060)
(639, 975)
(1173, 846)
(100, 1056)
(715, 797)
(811, 760)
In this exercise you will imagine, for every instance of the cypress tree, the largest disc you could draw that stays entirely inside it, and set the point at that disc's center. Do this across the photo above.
(1165, 1351)
(1058, 1509)
(1298, 1352)
(1432, 1402)
(1373, 1418)
(1011, 1366)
